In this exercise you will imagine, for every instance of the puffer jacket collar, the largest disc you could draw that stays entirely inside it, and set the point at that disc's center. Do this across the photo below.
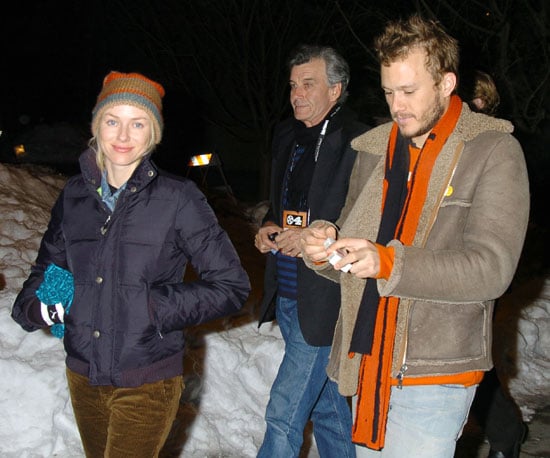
(145, 172)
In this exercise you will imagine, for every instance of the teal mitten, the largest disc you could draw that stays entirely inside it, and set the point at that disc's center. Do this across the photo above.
(56, 295)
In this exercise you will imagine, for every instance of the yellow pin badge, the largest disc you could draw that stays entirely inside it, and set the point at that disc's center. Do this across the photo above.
(449, 191)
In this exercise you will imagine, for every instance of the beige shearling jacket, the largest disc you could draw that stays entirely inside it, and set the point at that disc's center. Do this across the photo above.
(465, 253)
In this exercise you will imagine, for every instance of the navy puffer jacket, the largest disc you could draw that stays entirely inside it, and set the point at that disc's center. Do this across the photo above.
(125, 325)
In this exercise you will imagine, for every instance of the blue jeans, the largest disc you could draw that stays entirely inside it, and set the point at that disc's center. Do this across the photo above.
(424, 421)
(302, 391)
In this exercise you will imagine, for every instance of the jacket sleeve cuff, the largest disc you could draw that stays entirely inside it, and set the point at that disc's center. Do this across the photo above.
(387, 286)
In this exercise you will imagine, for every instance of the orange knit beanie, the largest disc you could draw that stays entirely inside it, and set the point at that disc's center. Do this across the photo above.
(131, 89)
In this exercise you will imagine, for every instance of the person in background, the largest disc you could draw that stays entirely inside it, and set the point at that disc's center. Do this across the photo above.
(495, 408)
(484, 97)
(431, 234)
(312, 160)
(108, 277)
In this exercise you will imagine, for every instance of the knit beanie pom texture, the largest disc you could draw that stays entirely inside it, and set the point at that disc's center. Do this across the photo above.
(131, 89)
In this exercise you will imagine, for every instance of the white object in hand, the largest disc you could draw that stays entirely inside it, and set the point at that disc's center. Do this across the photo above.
(336, 256)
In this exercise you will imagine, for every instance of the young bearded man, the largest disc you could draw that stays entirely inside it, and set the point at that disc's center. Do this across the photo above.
(433, 228)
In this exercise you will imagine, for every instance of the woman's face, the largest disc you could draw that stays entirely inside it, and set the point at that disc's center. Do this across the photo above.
(124, 135)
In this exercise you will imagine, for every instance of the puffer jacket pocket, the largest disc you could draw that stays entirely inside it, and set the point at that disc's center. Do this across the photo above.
(153, 317)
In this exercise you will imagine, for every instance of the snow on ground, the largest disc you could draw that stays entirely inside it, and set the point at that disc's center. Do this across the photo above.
(231, 363)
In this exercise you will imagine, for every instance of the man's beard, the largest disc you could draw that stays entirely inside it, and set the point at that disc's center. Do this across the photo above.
(429, 120)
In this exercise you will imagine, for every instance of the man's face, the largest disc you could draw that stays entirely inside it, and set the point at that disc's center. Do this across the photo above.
(416, 103)
(310, 95)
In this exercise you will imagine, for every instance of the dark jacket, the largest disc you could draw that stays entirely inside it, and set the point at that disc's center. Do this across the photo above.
(130, 303)
(318, 299)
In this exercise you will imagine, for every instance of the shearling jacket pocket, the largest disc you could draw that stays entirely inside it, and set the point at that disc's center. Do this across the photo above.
(446, 334)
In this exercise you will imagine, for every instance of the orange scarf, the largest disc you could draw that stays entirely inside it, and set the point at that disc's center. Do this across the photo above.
(373, 394)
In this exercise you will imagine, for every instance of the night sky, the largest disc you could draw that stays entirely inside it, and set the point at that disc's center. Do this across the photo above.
(54, 59)
(47, 51)
(225, 75)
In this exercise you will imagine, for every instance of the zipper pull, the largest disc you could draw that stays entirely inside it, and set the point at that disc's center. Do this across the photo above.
(103, 229)
(400, 376)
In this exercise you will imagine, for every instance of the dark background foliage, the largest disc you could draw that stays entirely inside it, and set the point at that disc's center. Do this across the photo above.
(223, 64)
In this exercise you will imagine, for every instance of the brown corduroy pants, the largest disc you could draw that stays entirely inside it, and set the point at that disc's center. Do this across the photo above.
(119, 422)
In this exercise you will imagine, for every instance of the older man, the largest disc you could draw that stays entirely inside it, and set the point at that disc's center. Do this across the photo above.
(312, 161)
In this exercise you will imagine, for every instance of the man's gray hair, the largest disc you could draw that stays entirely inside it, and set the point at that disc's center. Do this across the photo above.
(337, 67)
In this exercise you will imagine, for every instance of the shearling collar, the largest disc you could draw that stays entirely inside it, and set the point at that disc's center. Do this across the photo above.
(469, 126)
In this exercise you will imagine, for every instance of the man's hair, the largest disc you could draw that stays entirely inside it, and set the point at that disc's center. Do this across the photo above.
(336, 66)
(486, 90)
(404, 36)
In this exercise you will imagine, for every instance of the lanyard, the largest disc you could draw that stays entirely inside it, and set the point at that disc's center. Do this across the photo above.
(323, 132)
(299, 150)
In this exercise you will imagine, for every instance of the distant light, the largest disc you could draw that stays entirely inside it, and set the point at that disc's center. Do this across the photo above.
(199, 160)
(19, 150)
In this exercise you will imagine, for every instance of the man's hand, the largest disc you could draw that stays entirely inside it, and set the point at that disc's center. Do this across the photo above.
(313, 239)
(362, 254)
(263, 242)
(288, 242)
(274, 238)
